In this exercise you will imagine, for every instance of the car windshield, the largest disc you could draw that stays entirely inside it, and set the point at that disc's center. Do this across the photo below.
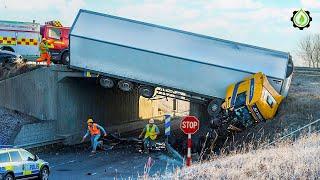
(4, 157)
(27, 156)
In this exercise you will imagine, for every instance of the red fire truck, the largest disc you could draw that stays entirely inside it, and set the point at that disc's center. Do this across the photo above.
(58, 38)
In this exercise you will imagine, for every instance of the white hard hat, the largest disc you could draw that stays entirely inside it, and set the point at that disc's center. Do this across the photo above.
(151, 121)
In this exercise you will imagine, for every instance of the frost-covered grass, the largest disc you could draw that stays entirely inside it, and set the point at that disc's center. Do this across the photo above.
(286, 160)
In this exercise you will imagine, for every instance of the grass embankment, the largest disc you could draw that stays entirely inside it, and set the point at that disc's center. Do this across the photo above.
(286, 160)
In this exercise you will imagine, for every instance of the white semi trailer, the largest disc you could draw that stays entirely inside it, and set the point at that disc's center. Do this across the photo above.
(133, 52)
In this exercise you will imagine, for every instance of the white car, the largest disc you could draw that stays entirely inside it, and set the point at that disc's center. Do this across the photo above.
(8, 57)
(17, 163)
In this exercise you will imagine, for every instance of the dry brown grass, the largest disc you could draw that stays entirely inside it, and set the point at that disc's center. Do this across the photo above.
(286, 160)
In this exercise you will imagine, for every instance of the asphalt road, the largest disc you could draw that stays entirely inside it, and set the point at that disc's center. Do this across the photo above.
(120, 163)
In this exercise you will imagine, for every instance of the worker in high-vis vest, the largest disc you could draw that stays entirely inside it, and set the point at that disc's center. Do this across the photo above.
(94, 130)
(151, 132)
(44, 52)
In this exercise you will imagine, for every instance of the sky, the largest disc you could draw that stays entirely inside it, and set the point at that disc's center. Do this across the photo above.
(264, 23)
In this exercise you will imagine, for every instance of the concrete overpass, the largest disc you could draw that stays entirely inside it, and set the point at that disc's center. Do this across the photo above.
(62, 99)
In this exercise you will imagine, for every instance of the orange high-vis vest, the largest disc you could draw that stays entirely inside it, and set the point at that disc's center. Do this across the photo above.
(94, 130)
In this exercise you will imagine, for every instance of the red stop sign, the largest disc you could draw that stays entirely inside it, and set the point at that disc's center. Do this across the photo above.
(189, 124)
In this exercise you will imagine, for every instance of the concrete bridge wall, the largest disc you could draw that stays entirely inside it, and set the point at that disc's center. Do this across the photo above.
(32, 93)
(67, 97)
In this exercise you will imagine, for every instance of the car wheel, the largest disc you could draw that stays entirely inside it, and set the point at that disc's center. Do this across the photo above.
(44, 173)
(8, 177)
(65, 58)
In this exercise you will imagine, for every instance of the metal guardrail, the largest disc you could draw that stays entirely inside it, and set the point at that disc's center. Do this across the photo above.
(308, 126)
(306, 69)
(172, 113)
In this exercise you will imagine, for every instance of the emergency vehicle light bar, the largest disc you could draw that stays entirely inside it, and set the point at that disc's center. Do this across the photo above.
(6, 146)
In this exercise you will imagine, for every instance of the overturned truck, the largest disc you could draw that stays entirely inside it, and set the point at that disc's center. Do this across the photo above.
(241, 84)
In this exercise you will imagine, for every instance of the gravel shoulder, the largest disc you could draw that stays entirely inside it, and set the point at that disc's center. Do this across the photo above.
(10, 124)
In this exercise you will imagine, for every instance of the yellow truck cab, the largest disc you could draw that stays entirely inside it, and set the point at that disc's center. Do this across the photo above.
(252, 100)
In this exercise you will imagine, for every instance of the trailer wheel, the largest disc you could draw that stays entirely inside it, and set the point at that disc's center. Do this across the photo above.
(65, 58)
(146, 91)
(125, 85)
(7, 48)
(106, 82)
(214, 107)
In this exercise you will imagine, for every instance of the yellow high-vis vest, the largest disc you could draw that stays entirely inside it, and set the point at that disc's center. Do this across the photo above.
(150, 132)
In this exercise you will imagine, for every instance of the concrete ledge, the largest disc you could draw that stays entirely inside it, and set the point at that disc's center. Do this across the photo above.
(36, 133)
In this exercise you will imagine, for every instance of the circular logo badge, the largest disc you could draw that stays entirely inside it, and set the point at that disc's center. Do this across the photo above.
(301, 19)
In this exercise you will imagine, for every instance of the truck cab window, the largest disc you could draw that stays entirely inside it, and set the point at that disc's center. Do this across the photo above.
(269, 101)
(268, 98)
(241, 100)
(54, 33)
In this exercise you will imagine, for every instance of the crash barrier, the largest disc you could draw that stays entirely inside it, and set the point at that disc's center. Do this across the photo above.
(306, 69)
(174, 114)
(307, 127)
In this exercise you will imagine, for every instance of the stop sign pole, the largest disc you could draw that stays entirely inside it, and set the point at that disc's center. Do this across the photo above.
(189, 125)
(189, 150)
